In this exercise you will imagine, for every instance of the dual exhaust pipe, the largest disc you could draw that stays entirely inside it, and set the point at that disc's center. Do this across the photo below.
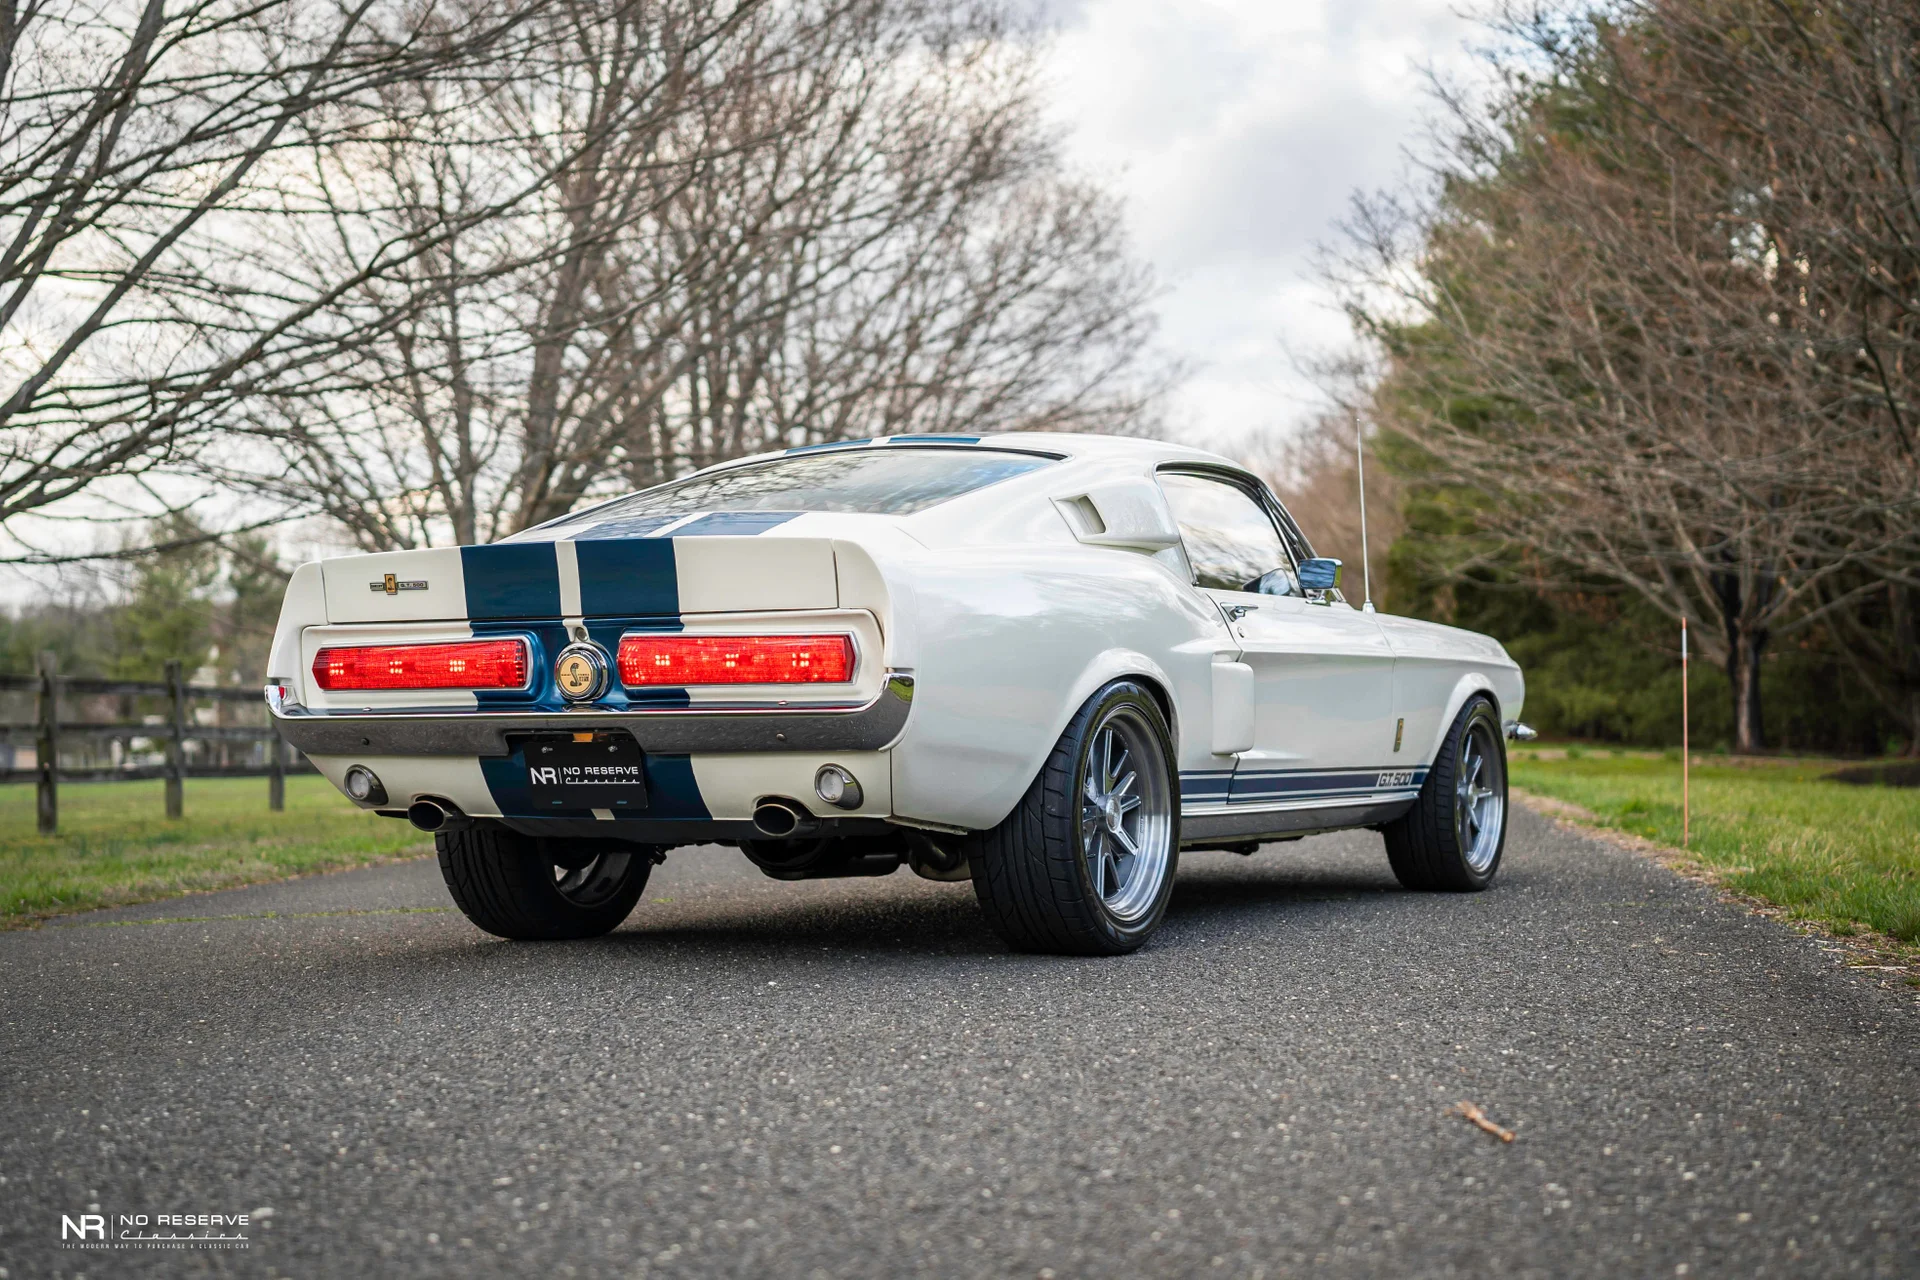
(775, 817)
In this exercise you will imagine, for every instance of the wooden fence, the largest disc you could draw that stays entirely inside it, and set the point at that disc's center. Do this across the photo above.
(173, 730)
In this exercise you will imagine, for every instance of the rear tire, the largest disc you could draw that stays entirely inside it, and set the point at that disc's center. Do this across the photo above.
(1453, 837)
(1084, 864)
(515, 886)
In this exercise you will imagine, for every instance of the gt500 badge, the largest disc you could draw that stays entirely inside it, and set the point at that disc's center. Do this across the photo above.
(1395, 778)
(391, 585)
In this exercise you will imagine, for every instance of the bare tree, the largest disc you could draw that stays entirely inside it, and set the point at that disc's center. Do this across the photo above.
(132, 134)
(761, 225)
(1613, 323)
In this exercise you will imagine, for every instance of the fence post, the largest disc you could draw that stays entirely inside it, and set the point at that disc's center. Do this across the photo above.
(277, 773)
(176, 740)
(46, 747)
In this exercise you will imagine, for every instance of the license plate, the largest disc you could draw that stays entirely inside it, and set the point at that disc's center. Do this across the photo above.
(608, 772)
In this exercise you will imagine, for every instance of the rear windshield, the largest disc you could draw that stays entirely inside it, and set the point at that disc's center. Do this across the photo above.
(884, 481)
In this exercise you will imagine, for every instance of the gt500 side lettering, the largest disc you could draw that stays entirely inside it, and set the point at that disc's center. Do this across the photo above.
(1395, 778)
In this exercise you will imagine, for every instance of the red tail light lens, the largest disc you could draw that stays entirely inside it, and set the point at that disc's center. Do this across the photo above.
(684, 660)
(466, 664)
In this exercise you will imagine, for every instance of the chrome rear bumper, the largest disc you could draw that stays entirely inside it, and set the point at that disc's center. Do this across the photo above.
(688, 731)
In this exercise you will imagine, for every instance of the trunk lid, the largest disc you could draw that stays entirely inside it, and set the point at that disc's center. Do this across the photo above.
(611, 577)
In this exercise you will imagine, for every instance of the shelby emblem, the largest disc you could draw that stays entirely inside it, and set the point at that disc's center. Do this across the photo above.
(581, 672)
(393, 586)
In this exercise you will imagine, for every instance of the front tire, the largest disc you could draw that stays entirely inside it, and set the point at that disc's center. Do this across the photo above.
(1084, 864)
(1453, 837)
(515, 886)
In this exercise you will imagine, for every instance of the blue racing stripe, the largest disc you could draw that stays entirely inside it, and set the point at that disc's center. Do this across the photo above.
(830, 444)
(629, 527)
(511, 580)
(741, 523)
(672, 792)
(634, 576)
(933, 440)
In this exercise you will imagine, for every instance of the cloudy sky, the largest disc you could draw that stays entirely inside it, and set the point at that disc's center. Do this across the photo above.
(1237, 131)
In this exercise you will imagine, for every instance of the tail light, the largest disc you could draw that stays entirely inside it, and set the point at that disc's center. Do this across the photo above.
(647, 660)
(464, 664)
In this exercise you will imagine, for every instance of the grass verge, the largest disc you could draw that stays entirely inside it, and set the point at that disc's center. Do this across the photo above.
(1844, 858)
(116, 846)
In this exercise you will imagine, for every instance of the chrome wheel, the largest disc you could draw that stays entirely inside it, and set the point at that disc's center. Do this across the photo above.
(1126, 814)
(592, 881)
(1480, 796)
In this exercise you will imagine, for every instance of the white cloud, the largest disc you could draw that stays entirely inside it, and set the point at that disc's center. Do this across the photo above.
(1237, 131)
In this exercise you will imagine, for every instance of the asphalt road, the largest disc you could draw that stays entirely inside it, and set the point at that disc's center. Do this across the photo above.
(852, 1078)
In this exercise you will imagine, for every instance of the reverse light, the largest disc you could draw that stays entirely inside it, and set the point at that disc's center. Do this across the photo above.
(464, 664)
(652, 660)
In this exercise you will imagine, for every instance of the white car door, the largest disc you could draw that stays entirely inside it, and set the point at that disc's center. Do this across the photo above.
(1323, 672)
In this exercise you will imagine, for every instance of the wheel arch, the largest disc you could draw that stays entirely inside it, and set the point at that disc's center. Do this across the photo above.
(1467, 686)
(1111, 667)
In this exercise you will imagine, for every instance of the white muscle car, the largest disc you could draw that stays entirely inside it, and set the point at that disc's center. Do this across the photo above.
(1045, 663)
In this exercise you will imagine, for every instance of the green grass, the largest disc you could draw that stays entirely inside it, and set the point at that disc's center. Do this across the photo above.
(116, 845)
(1845, 857)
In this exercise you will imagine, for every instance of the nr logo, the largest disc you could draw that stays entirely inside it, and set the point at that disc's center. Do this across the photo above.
(91, 1226)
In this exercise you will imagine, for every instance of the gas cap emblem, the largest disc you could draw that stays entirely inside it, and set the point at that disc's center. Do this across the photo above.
(581, 672)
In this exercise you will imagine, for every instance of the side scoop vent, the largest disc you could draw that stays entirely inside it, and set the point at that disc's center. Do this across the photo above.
(1130, 514)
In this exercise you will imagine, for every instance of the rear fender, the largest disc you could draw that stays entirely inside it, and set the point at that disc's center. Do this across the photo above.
(1007, 650)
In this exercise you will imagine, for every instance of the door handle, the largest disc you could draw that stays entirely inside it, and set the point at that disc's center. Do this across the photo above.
(1235, 612)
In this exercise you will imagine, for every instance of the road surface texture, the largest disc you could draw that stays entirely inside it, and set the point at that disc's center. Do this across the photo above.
(854, 1078)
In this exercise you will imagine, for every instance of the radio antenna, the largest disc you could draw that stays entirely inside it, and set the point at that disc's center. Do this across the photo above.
(1366, 561)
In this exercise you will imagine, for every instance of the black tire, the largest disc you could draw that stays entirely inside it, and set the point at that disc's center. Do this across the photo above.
(1429, 847)
(1034, 874)
(514, 886)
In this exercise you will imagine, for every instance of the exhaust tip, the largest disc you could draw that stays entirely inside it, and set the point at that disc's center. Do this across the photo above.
(779, 819)
(429, 815)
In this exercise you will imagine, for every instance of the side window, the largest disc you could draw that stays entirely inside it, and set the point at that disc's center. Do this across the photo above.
(1230, 540)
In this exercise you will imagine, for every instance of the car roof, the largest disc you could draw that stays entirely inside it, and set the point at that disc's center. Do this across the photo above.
(1062, 444)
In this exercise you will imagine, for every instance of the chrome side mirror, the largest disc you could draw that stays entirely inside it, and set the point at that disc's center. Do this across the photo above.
(1319, 574)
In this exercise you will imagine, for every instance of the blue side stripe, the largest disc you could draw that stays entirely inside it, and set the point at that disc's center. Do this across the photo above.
(1277, 786)
(739, 523)
(1262, 786)
(511, 580)
(1205, 785)
(631, 576)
